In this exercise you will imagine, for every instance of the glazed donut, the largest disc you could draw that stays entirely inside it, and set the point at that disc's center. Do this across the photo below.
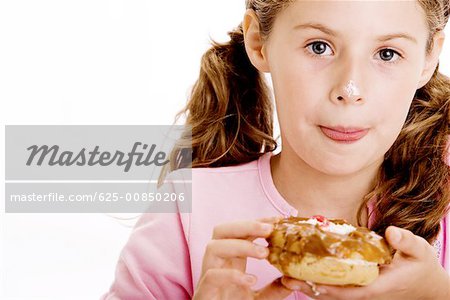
(326, 251)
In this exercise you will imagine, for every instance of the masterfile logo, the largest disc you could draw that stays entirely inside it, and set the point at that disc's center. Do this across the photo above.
(68, 158)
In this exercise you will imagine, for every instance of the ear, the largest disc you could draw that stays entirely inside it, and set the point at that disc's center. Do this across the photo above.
(253, 42)
(432, 59)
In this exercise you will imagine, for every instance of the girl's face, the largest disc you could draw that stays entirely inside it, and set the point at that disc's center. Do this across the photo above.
(316, 48)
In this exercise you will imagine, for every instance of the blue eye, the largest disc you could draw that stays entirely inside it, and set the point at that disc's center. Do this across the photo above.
(319, 48)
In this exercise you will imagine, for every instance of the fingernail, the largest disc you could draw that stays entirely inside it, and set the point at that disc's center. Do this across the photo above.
(322, 290)
(249, 279)
(267, 227)
(262, 251)
(290, 284)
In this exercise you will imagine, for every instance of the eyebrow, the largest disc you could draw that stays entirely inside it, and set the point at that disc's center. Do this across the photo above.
(332, 32)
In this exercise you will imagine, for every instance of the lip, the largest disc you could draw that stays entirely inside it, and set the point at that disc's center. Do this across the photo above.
(344, 134)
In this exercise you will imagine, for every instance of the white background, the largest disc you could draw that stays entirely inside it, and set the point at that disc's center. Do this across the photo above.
(93, 62)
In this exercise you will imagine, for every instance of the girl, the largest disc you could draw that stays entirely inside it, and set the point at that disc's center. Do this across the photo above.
(364, 118)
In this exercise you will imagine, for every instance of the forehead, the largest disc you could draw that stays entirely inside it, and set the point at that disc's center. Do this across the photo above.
(357, 17)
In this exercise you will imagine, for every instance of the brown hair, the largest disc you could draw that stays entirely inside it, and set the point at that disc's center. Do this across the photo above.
(230, 114)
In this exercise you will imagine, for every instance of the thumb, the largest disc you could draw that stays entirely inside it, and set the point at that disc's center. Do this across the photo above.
(275, 290)
(406, 242)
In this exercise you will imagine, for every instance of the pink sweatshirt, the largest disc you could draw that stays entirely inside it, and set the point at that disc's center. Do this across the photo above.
(163, 256)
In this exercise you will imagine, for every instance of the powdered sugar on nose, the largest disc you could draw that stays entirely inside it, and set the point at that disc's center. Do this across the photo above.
(351, 89)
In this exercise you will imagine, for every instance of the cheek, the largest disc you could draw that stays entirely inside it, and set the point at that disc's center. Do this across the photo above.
(296, 89)
(392, 113)
(296, 102)
(291, 74)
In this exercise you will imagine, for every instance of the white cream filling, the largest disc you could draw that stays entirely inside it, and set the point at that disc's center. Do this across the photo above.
(331, 227)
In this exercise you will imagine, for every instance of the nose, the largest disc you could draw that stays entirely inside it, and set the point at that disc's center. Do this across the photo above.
(349, 83)
(348, 92)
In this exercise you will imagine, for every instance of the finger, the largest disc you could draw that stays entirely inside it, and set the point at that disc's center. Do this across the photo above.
(299, 285)
(381, 286)
(275, 290)
(233, 248)
(270, 220)
(406, 242)
(345, 292)
(328, 292)
(242, 230)
(218, 251)
(215, 279)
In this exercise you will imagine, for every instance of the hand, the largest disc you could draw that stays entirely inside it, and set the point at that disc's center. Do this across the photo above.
(225, 260)
(415, 273)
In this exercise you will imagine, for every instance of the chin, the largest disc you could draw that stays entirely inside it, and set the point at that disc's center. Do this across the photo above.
(340, 168)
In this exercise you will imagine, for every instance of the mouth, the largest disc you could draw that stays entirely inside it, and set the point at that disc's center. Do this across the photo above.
(343, 134)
